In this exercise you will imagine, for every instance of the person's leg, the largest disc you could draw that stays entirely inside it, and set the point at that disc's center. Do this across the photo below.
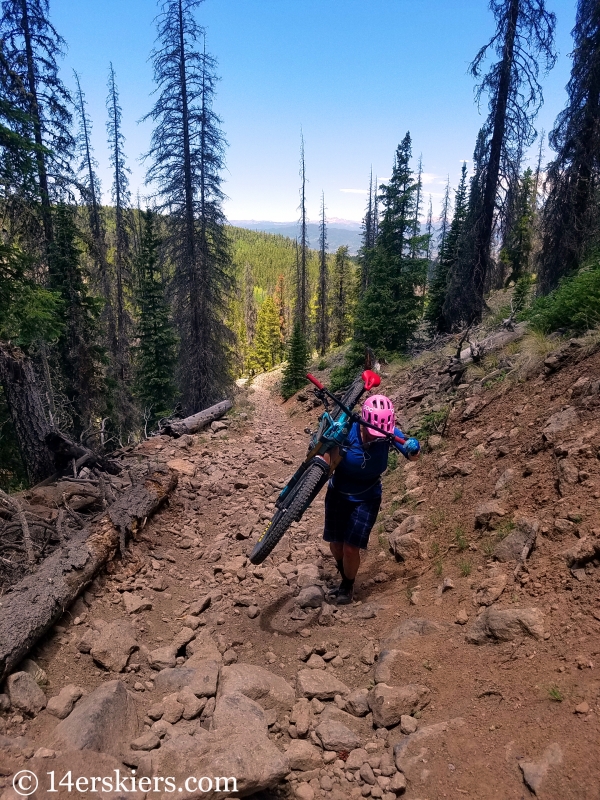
(351, 561)
(359, 529)
(335, 524)
(337, 551)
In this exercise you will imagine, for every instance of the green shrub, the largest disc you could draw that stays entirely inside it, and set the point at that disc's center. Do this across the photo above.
(573, 305)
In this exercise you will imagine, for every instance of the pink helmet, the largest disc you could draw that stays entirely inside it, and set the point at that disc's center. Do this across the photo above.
(378, 410)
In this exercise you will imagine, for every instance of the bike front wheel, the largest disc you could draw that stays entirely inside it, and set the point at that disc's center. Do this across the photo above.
(308, 487)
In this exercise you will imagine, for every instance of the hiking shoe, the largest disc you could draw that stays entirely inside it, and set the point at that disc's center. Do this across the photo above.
(344, 596)
(332, 594)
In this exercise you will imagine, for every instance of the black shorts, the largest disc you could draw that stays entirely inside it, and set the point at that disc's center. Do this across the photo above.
(349, 522)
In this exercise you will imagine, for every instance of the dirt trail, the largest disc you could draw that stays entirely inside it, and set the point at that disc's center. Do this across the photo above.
(420, 710)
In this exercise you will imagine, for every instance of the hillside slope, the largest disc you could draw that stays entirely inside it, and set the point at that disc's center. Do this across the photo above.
(467, 667)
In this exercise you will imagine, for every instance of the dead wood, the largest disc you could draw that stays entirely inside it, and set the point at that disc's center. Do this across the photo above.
(197, 421)
(39, 600)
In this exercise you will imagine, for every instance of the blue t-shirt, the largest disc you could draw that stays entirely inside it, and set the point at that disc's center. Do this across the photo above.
(358, 476)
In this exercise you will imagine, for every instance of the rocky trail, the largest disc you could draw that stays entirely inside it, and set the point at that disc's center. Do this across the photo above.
(467, 667)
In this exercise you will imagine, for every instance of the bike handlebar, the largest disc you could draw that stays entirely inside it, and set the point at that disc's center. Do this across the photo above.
(315, 381)
(352, 414)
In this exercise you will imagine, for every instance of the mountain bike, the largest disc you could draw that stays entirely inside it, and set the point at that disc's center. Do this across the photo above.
(314, 472)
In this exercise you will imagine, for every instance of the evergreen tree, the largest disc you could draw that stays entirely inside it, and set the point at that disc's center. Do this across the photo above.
(157, 343)
(250, 310)
(302, 252)
(186, 159)
(80, 353)
(294, 374)
(518, 239)
(91, 196)
(121, 201)
(322, 289)
(447, 260)
(524, 35)
(267, 351)
(418, 200)
(369, 236)
(389, 311)
(571, 216)
(340, 297)
(282, 314)
(31, 48)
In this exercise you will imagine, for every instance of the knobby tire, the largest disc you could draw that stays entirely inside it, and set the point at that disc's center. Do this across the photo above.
(304, 493)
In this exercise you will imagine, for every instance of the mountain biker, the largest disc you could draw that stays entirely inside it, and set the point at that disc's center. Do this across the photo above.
(354, 492)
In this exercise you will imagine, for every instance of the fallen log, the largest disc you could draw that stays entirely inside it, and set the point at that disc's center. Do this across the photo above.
(40, 599)
(192, 424)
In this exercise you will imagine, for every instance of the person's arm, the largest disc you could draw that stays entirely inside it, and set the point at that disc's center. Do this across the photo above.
(331, 455)
(411, 449)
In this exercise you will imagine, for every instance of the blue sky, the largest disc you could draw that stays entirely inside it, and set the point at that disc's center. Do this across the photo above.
(354, 74)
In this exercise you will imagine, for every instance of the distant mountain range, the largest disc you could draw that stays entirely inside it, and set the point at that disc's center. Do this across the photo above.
(339, 232)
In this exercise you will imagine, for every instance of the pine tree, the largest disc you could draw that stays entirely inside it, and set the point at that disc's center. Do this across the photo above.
(322, 289)
(369, 236)
(31, 49)
(79, 349)
(91, 197)
(157, 344)
(121, 201)
(294, 374)
(301, 312)
(389, 311)
(341, 281)
(186, 160)
(250, 310)
(571, 217)
(518, 239)
(524, 36)
(282, 312)
(267, 351)
(447, 260)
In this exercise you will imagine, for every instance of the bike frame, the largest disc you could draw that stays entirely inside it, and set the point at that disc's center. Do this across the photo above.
(332, 433)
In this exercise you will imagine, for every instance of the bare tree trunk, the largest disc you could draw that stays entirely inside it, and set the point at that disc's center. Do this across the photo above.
(23, 397)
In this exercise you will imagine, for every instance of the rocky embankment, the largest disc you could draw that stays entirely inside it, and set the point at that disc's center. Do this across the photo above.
(466, 668)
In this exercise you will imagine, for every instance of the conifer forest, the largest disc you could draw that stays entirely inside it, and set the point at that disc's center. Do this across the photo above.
(117, 317)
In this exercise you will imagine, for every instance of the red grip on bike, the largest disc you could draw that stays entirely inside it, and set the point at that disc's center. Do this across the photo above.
(314, 380)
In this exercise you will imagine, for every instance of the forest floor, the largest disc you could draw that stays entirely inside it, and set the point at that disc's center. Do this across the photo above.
(461, 670)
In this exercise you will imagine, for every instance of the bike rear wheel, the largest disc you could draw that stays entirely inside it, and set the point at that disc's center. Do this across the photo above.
(305, 491)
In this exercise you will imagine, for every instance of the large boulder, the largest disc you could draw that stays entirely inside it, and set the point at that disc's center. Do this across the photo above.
(303, 755)
(24, 693)
(201, 679)
(585, 550)
(519, 543)
(258, 684)
(490, 589)
(559, 422)
(62, 704)
(238, 711)
(320, 684)
(389, 703)
(113, 645)
(336, 736)
(488, 513)
(506, 624)
(403, 542)
(103, 721)
(253, 762)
